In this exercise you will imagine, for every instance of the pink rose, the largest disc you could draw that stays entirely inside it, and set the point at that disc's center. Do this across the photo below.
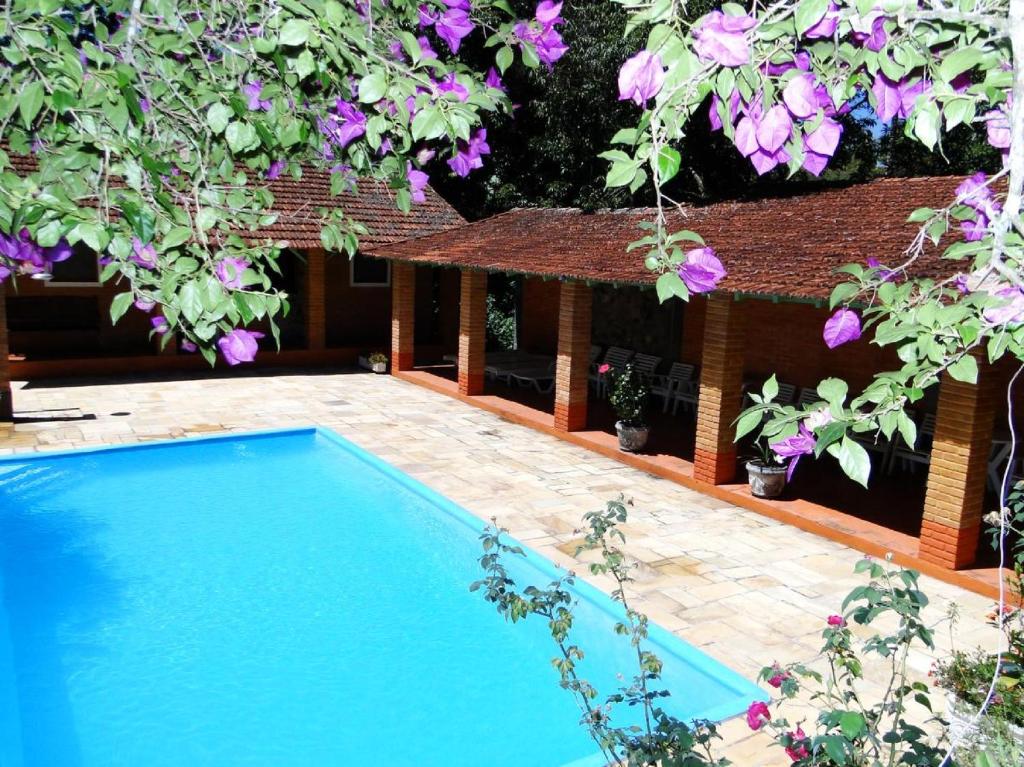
(837, 620)
(604, 368)
(758, 715)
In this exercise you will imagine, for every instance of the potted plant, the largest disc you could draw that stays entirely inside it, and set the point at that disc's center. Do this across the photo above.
(766, 473)
(377, 362)
(967, 678)
(628, 396)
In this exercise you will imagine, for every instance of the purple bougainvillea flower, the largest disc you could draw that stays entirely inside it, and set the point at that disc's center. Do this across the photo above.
(144, 105)
(876, 38)
(541, 33)
(723, 39)
(896, 99)
(159, 324)
(824, 139)
(842, 327)
(814, 163)
(5, 272)
(426, 49)
(451, 85)
(826, 25)
(252, 91)
(774, 129)
(997, 127)
(975, 191)
(800, 60)
(143, 254)
(1010, 311)
(276, 169)
(758, 715)
(346, 127)
(62, 251)
(641, 78)
(975, 229)
(468, 155)
(229, 271)
(144, 305)
(239, 346)
(425, 155)
(764, 161)
(885, 275)
(547, 12)
(493, 80)
(702, 270)
(417, 183)
(801, 96)
(960, 282)
(453, 26)
(734, 107)
(794, 448)
(188, 346)
(428, 16)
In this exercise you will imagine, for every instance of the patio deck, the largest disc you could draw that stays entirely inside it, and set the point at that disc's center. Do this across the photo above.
(742, 586)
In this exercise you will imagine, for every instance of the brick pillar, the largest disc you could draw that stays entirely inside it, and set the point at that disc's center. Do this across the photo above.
(403, 314)
(6, 405)
(573, 356)
(472, 331)
(721, 382)
(957, 471)
(316, 294)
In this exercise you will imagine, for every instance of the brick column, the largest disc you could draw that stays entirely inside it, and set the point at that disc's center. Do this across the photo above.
(721, 382)
(316, 296)
(472, 331)
(6, 405)
(957, 471)
(403, 314)
(574, 305)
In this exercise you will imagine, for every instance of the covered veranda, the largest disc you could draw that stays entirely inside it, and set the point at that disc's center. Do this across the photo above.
(924, 505)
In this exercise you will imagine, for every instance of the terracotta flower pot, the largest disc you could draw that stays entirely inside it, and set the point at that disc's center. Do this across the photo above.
(631, 438)
(766, 481)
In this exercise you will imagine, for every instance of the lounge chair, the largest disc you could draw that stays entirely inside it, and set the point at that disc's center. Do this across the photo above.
(921, 453)
(678, 386)
(616, 357)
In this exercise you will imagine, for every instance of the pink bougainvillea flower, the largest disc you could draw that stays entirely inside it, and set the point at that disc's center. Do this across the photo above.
(794, 448)
(826, 25)
(143, 254)
(229, 271)
(800, 96)
(702, 270)
(239, 345)
(758, 715)
(842, 327)
(797, 748)
(641, 78)
(1010, 310)
(417, 183)
(837, 621)
(723, 39)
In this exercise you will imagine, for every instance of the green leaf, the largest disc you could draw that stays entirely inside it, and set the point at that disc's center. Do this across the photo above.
(504, 58)
(770, 390)
(175, 237)
(668, 163)
(927, 122)
(959, 60)
(853, 460)
(428, 124)
(190, 301)
(241, 136)
(747, 423)
(965, 369)
(305, 65)
(621, 174)
(833, 390)
(31, 102)
(294, 32)
(119, 305)
(669, 284)
(851, 723)
(372, 88)
(809, 13)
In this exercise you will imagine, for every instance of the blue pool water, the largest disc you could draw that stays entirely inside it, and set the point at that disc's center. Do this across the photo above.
(280, 599)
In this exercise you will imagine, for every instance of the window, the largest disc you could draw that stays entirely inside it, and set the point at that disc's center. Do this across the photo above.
(82, 270)
(369, 272)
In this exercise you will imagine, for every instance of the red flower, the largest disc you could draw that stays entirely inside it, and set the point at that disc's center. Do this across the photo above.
(797, 748)
(836, 620)
(758, 715)
(604, 368)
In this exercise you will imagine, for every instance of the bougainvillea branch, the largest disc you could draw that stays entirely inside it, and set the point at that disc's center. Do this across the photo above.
(152, 128)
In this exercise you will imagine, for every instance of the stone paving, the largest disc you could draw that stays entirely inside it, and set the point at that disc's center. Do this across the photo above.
(745, 589)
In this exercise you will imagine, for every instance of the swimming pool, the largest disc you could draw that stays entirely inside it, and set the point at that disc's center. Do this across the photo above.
(280, 598)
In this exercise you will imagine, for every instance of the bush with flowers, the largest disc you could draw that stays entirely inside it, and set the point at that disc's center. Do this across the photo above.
(628, 394)
(852, 726)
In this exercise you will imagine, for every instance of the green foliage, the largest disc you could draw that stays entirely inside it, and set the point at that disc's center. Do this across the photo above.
(628, 394)
(502, 297)
(155, 124)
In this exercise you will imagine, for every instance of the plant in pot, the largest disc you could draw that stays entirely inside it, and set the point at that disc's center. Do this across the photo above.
(766, 471)
(377, 362)
(628, 395)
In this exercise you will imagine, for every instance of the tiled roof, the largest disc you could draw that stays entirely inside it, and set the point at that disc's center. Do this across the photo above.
(786, 246)
(298, 203)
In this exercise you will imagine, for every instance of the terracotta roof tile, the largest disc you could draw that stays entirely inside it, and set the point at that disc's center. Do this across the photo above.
(777, 246)
(298, 204)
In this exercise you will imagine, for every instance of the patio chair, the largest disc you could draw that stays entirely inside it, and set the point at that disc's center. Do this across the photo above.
(921, 453)
(645, 364)
(540, 378)
(999, 456)
(808, 396)
(680, 376)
